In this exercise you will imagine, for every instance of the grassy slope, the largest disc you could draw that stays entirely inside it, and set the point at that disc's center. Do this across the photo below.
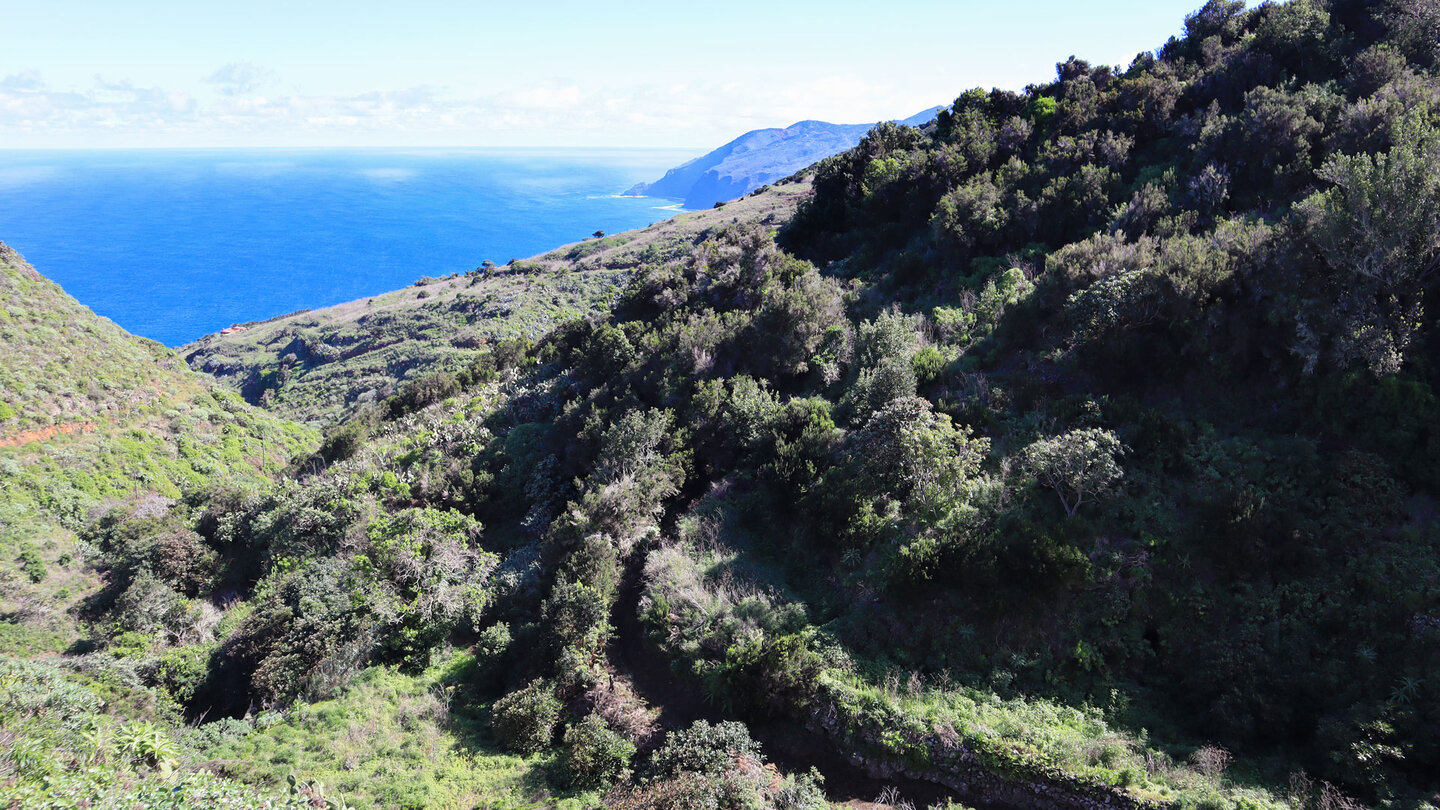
(64, 365)
(393, 740)
(94, 415)
(361, 350)
(73, 740)
(153, 427)
(87, 738)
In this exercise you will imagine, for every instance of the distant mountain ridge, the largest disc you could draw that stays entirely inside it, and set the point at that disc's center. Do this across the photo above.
(757, 158)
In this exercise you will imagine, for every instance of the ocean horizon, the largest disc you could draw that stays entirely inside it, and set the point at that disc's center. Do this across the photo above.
(173, 244)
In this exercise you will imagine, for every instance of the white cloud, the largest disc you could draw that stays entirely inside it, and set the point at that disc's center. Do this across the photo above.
(19, 82)
(542, 97)
(240, 78)
(243, 110)
(29, 106)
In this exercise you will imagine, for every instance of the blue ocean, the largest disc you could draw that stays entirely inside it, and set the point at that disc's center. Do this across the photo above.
(175, 244)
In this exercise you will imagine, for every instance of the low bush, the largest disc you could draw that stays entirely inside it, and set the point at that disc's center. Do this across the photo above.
(595, 756)
(704, 748)
(525, 719)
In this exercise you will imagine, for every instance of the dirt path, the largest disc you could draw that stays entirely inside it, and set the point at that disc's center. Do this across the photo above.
(41, 434)
(678, 703)
(789, 745)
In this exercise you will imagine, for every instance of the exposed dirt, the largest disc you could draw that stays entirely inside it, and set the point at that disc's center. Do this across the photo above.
(41, 434)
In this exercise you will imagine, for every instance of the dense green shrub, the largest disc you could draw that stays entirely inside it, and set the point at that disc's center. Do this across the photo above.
(151, 606)
(343, 440)
(719, 766)
(1079, 465)
(32, 564)
(927, 363)
(423, 392)
(179, 670)
(595, 756)
(307, 636)
(1378, 230)
(491, 646)
(431, 579)
(525, 719)
(703, 748)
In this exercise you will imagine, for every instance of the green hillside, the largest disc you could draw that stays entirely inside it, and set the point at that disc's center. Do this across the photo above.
(93, 419)
(320, 365)
(1076, 451)
(93, 416)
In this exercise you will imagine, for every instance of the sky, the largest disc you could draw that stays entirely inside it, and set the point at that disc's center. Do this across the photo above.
(196, 73)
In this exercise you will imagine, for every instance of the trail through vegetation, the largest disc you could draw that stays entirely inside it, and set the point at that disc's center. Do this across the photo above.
(1076, 450)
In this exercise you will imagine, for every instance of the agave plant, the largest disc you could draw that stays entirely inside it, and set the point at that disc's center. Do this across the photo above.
(312, 794)
(31, 758)
(97, 743)
(144, 742)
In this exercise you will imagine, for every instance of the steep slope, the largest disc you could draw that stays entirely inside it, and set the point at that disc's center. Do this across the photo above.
(66, 367)
(757, 158)
(1075, 452)
(320, 365)
(92, 415)
(1079, 449)
(94, 419)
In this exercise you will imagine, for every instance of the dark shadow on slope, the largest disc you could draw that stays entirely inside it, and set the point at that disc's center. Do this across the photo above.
(787, 743)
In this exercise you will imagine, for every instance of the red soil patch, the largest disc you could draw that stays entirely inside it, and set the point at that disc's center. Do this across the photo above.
(41, 434)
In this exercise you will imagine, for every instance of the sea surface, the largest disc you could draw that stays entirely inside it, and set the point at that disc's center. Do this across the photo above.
(175, 244)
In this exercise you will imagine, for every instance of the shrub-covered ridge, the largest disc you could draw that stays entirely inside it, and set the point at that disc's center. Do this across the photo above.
(1078, 448)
